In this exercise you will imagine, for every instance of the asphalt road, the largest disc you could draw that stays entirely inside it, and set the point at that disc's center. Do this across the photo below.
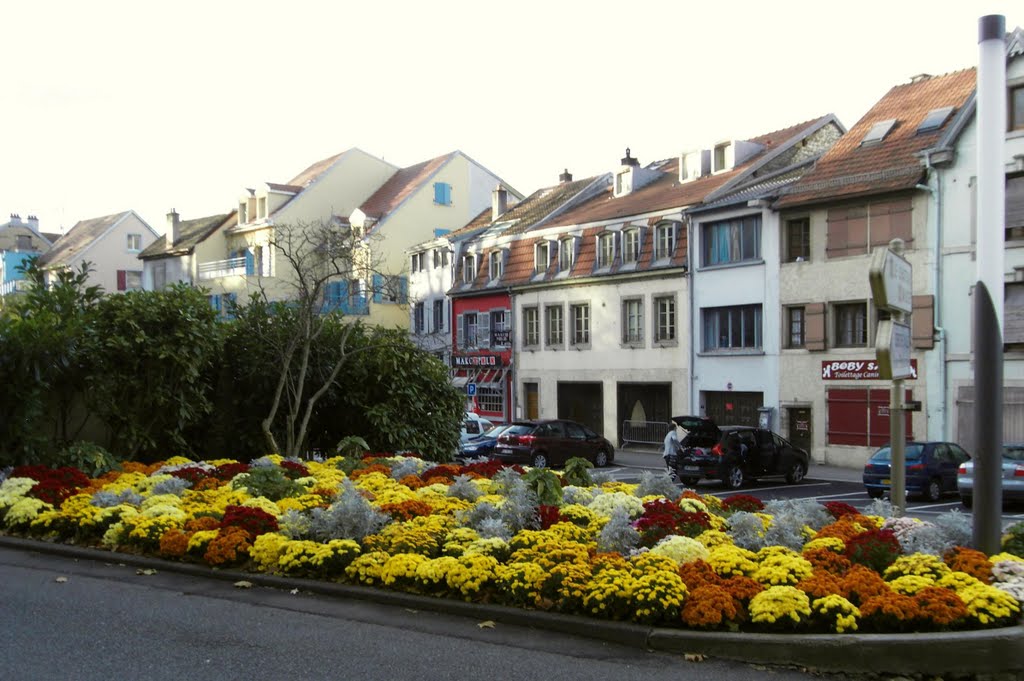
(91, 621)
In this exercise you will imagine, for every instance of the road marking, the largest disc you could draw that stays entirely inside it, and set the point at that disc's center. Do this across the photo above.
(835, 496)
(768, 489)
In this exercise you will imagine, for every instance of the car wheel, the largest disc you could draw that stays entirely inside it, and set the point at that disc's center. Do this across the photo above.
(796, 472)
(734, 477)
(690, 482)
(966, 501)
(875, 493)
(933, 492)
(540, 460)
(601, 458)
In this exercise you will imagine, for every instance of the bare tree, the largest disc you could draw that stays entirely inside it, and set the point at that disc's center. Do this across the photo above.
(311, 256)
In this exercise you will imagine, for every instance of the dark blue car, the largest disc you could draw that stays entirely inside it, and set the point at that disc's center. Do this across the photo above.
(930, 469)
(481, 446)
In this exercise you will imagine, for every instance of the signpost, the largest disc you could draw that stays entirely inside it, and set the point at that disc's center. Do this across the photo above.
(471, 389)
(891, 278)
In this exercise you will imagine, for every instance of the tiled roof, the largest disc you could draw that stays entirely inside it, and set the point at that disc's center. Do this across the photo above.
(190, 233)
(849, 169)
(306, 177)
(78, 238)
(400, 185)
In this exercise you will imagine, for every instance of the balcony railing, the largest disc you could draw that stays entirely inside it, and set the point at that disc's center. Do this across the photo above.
(222, 268)
(10, 287)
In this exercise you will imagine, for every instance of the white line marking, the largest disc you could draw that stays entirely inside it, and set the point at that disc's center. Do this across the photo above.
(768, 489)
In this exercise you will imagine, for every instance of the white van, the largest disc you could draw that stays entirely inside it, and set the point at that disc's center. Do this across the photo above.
(473, 426)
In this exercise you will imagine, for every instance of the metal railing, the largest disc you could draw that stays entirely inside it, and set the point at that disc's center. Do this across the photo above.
(644, 432)
(221, 268)
(16, 286)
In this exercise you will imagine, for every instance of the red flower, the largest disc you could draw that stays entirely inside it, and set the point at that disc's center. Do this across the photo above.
(742, 502)
(53, 485)
(839, 508)
(254, 521)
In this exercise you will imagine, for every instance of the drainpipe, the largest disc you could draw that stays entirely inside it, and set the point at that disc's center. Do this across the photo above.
(510, 412)
(694, 403)
(937, 281)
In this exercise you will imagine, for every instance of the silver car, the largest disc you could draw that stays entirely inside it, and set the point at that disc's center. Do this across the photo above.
(1012, 477)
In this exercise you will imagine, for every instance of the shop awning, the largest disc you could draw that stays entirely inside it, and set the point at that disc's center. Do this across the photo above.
(460, 381)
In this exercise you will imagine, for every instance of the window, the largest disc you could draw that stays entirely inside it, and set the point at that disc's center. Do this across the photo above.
(541, 256)
(632, 321)
(442, 194)
(1016, 101)
(630, 245)
(159, 275)
(129, 280)
(623, 182)
(856, 230)
(719, 156)
(440, 257)
(851, 324)
(468, 269)
(418, 318)
(796, 323)
(438, 316)
(261, 207)
(565, 254)
(732, 328)
(729, 241)
(798, 239)
(665, 311)
(878, 132)
(494, 265)
(490, 399)
(531, 327)
(581, 324)
(134, 242)
(390, 289)
(24, 242)
(605, 250)
(553, 317)
(468, 330)
(664, 241)
(935, 119)
(500, 336)
(416, 263)
(357, 303)
(242, 213)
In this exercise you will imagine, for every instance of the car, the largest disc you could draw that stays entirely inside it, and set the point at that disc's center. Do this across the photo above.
(482, 445)
(931, 469)
(735, 454)
(473, 426)
(1012, 478)
(551, 442)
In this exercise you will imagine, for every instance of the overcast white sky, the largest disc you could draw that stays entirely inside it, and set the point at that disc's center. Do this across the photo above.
(109, 105)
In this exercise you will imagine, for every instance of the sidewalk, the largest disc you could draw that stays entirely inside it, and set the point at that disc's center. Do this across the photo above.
(637, 457)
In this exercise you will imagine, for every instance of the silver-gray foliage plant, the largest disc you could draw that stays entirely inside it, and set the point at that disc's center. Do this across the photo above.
(295, 524)
(789, 517)
(601, 477)
(519, 509)
(107, 499)
(350, 517)
(407, 465)
(464, 488)
(746, 530)
(618, 534)
(656, 483)
(175, 486)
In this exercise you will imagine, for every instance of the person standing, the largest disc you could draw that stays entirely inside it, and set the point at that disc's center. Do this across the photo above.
(671, 449)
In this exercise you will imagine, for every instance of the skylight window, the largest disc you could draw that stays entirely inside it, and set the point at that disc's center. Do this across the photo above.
(878, 132)
(935, 119)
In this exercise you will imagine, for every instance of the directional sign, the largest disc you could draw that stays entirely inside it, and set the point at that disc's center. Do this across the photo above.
(892, 348)
(892, 281)
(471, 389)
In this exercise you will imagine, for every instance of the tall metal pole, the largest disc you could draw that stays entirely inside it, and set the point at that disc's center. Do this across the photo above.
(897, 450)
(988, 291)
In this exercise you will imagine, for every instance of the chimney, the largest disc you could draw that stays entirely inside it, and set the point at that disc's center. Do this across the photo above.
(33, 222)
(565, 177)
(15, 219)
(920, 77)
(629, 160)
(499, 202)
(172, 227)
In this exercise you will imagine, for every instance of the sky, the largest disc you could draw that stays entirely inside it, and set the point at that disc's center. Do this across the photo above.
(108, 106)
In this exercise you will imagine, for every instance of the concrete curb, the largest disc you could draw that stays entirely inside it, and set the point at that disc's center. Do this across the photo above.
(977, 653)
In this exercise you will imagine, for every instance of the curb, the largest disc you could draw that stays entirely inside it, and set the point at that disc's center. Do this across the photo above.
(977, 653)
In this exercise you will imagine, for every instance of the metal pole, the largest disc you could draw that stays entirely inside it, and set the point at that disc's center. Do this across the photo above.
(988, 292)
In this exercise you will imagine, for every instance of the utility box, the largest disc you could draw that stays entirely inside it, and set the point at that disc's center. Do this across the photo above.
(764, 417)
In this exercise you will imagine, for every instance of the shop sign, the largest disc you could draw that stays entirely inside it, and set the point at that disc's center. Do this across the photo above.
(856, 370)
(477, 361)
(501, 337)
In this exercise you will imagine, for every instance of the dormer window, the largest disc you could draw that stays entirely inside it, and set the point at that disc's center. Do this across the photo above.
(468, 268)
(721, 157)
(631, 245)
(541, 256)
(878, 132)
(623, 182)
(243, 213)
(565, 254)
(664, 240)
(494, 265)
(935, 119)
(261, 208)
(440, 257)
(694, 164)
(605, 250)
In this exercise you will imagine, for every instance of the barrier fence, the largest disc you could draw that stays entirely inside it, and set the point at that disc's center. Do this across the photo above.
(644, 432)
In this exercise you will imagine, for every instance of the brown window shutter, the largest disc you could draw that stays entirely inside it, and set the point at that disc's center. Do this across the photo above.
(1013, 314)
(122, 280)
(922, 323)
(815, 334)
(835, 244)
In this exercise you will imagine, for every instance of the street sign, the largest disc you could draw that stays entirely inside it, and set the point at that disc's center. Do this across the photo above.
(892, 281)
(471, 389)
(892, 348)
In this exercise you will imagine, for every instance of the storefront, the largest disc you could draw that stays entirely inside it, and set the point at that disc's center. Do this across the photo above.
(486, 379)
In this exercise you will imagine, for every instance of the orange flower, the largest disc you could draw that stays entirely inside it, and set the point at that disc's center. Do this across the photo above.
(698, 573)
(201, 523)
(820, 584)
(975, 563)
(827, 560)
(890, 612)
(174, 543)
(229, 547)
(742, 588)
(860, 584)
(375, 468)
(412, 482)
(709, 607)
(941, 606)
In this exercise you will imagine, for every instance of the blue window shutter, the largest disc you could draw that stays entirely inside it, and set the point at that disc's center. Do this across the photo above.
(438, 193)
(447, 194)
(341, 295)
(378, 288)
(441, 232)
(250, 262)
(215, 302)
(403, 290)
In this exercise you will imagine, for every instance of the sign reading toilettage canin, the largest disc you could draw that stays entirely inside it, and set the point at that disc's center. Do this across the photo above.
(856, 370)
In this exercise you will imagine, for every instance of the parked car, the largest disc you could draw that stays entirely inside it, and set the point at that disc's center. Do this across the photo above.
(735, 454)
(931, 469)
(1012, 478)
(473, 426)
(552, 442)
(482, 445)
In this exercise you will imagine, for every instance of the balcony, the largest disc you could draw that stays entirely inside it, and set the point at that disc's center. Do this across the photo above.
(216, 269)
(11, 287)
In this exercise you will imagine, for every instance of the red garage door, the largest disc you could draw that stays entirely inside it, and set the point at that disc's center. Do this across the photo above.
(860, 416)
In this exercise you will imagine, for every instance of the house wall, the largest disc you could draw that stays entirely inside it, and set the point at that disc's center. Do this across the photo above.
(606, 362)
(428, 286)
(842, 279)
(110, 253)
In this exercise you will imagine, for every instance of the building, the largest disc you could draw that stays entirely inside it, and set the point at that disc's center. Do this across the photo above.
(175, 256)
(19, 242)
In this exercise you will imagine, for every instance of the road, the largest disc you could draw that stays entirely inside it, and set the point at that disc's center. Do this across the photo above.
(91, 621)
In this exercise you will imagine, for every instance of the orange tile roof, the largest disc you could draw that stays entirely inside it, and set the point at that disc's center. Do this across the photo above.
(849, 169)
(400, 185)
(314, 171)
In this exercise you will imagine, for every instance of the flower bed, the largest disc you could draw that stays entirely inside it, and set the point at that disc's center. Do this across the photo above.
(645, 552)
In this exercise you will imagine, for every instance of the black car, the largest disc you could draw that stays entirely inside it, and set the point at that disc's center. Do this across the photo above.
(551, 442)
(735, 454)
